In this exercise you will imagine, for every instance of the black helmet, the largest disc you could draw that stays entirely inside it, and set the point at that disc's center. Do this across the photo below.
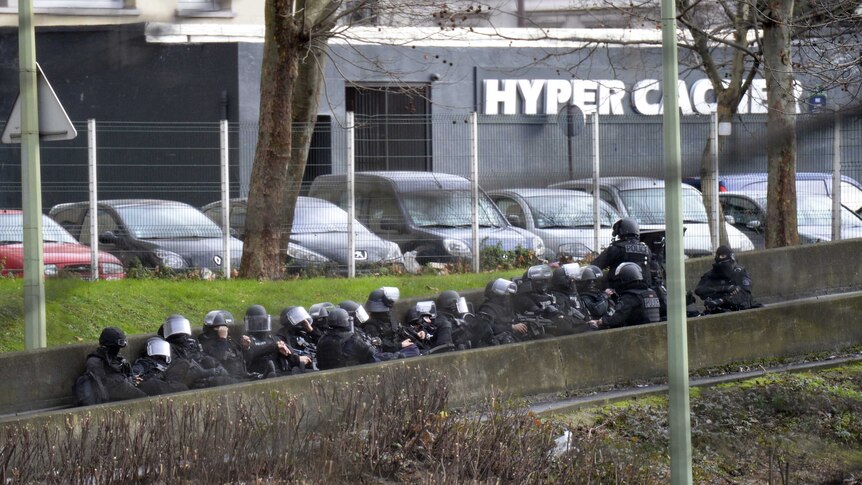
(382, 299)
(176, 325)
(295, 316)
(589, 274)
(452, 302)
(500, 287)
(355, 310)
(338, 318)
(626, 226)
(257, 320)
(218, 318)
(629, 272)
(560, 279)
(539, 272)
(157, 346)
(320, 310)
(426, 308)
(113, 337)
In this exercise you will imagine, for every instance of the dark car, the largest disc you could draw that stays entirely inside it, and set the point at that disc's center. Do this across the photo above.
(319, 234)
(154, 232)
(426, 212)
(61, 253)
(747, 211)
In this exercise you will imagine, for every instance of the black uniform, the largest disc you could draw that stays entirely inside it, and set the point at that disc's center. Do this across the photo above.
(343, 348)
(263, 357)
(381, 325)
(637, 304)
(199, 370)
(724, 288)
(157, 377)
(114, 373)
(228, 352)
(498, 312)
(569, 302)
(629, 249)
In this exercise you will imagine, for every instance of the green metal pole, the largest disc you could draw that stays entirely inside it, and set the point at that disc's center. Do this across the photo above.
(677, 339)
(31, 193)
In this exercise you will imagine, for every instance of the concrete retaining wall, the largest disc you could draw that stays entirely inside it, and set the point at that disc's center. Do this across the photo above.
(42, 378)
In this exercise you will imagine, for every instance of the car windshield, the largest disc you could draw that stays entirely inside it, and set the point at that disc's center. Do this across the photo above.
(816, 210)
(647, 205)
(318, 217)
(12, 230)
(450, 208)
(565, 211)
(167, 222)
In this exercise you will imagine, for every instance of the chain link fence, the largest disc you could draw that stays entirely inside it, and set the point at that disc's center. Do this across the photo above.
(397, 191)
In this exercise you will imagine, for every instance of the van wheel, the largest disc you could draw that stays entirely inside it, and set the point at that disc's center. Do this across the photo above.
(424, 253)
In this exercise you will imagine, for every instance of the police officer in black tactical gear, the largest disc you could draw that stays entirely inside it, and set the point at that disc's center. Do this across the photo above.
(433, 335)
(216, 341)
(298, 332)
(341, 346)
(467, 330)
(538, 308)
(359, 317)
(112, 371)
(154, 370)
(565, 292)
(726, 287)
(319, 312)
(266, 354)
(498, 311)
(637, 303)
(380, 323)
(199, 370)
(627, 247)
(596, 302)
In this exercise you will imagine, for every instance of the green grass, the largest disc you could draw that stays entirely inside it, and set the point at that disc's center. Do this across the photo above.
(76, 311)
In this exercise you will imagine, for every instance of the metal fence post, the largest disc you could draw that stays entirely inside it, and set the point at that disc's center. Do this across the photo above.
(597, 225)
(474, 188)
(351, 194)
(93, 191)
(225, 197)
(713, 208)
(836, 178)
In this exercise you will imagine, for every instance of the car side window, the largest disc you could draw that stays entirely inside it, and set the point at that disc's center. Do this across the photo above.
(237, 218)
(606, 196)
(742, 210)
(214, 213)
(105, 223)
(383, 213)
(512, 210)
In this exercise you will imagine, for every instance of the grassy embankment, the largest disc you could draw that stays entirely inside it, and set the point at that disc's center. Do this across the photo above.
(76, 311)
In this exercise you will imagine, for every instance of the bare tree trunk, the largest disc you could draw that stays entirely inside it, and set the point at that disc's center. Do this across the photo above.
(781, 229)
(294, 45)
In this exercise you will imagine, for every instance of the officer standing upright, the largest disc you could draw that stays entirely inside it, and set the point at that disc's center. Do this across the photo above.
(626, 247)
(637, 303)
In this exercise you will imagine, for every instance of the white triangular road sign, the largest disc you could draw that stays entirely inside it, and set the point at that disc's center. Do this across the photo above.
(54, 123)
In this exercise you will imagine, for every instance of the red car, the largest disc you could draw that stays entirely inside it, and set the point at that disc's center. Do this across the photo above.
(61, 252)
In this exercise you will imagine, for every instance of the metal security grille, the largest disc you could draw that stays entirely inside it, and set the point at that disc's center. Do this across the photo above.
(393, 127)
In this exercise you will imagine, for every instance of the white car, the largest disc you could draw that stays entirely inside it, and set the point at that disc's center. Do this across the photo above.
(643, 199)
(562, 218)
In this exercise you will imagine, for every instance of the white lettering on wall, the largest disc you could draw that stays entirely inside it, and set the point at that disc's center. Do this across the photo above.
(530, 92)
(511, 96)
(556, 91)
(640, 97)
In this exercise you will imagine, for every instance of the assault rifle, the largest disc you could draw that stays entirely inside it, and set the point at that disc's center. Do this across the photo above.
(408, 332)
(538, 325)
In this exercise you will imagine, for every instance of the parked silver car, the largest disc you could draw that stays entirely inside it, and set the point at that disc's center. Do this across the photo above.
(562, 218)
(643, 199)
(813, 216)
(318, 235)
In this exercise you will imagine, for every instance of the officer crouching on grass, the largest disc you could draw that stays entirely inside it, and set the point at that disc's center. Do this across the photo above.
(637, 303)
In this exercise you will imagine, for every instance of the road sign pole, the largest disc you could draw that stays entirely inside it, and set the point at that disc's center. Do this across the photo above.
(34, 276)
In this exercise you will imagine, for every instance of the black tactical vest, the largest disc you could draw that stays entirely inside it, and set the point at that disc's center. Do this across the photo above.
(330, 351)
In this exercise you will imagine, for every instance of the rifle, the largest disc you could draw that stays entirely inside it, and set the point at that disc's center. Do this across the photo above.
(408, 332)
(537, 324)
